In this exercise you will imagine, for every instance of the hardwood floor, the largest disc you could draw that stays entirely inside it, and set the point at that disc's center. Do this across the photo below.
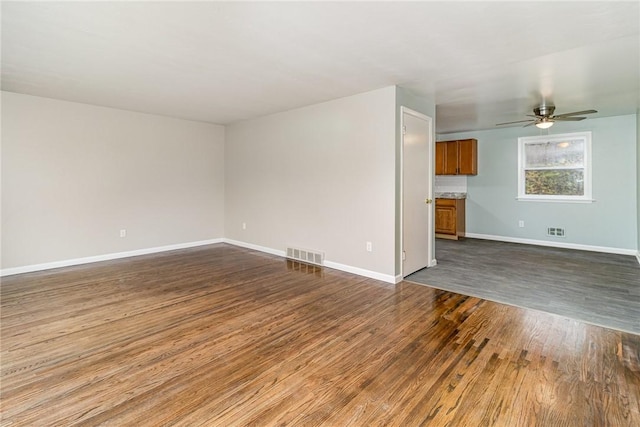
(602, 289)
(224, 336)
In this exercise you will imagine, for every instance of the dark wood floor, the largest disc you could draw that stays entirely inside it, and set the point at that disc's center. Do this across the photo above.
(602, 289)
(223, 336)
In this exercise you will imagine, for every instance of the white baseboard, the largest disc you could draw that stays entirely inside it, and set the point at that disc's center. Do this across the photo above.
(105, 257)
(577, 246)
(361, 272)
(254, 247)
(330, 264)
(638, 257)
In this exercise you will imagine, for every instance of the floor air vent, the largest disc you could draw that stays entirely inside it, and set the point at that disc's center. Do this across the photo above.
(305, 255)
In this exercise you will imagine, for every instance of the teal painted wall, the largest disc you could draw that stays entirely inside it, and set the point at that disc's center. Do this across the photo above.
(611, 221)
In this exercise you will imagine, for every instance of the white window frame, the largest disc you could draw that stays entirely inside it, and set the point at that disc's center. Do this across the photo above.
(522, 141)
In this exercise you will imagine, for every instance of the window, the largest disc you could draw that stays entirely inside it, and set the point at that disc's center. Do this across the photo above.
(555, 167)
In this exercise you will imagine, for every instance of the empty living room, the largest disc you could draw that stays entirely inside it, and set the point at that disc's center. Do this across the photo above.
(320, 213)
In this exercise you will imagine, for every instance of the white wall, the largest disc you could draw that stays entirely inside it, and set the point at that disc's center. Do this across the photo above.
(609, 222)
(320, 177)
(73, 175)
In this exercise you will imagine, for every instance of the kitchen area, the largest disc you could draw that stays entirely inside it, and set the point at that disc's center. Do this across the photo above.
(455, 160)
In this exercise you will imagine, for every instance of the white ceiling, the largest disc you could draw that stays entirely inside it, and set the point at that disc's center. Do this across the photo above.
(220, 62)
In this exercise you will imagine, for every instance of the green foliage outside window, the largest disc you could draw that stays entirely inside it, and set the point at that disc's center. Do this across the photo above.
(567, 182)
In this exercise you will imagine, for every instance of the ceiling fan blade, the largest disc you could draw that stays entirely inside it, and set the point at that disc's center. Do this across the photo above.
(519, 121)
(530, 124)
(569, 119)
(575, 113)
(537, 117)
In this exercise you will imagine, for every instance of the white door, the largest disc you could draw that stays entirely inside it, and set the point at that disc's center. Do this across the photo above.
(417, 200)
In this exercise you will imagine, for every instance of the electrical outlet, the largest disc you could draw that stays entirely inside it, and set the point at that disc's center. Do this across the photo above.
(369, 247)
(521, 223)
(123, 233)
(244, 225)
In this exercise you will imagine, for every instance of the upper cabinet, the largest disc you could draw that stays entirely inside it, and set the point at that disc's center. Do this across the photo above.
(457, 157)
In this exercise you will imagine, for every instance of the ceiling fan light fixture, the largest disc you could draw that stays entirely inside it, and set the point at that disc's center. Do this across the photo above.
(543, 117)
(544, 124)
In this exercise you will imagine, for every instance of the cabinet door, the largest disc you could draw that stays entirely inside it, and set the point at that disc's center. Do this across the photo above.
(451, 158)
(446, 220)
(441, 148)
(468, 157)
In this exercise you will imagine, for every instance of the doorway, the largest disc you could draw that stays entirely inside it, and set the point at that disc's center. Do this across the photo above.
(417, 236)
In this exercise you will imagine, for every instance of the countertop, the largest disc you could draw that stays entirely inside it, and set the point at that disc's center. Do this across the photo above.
(450, 195)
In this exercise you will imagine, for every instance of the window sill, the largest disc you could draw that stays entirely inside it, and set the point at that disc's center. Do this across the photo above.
(545, 200)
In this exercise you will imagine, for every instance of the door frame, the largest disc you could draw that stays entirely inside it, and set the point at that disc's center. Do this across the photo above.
(430, 179)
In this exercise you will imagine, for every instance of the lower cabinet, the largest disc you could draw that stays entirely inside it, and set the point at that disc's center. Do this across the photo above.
(450, 218)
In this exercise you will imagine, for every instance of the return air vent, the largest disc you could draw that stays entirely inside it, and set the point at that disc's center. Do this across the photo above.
(555, 232)
(305, 255)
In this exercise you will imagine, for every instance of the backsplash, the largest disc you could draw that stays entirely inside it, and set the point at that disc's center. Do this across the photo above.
(450, 184)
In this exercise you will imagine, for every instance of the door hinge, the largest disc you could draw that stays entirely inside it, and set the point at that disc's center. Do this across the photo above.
(404, 130)
(404, 255)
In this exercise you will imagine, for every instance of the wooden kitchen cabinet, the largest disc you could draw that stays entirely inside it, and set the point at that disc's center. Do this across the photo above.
(450, 218)
(457, 157)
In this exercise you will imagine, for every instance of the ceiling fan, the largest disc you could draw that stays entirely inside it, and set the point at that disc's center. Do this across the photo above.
(544, 117)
